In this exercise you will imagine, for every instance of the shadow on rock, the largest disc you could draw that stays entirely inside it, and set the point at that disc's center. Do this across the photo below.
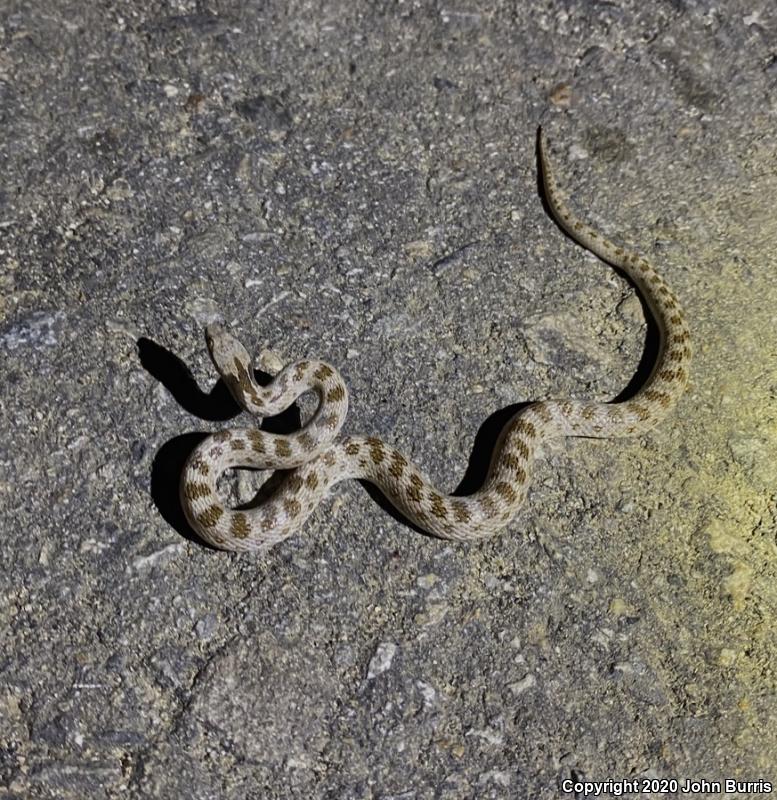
(216, 406)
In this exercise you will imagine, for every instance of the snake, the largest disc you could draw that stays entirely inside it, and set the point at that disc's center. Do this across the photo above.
(316, 457)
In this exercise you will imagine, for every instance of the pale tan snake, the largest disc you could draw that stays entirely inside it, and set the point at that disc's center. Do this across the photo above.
(318, 459)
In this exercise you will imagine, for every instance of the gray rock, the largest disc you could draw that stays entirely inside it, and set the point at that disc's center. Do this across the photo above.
(358, 183)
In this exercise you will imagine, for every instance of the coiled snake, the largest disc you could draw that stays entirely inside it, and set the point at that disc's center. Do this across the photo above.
(318, 459)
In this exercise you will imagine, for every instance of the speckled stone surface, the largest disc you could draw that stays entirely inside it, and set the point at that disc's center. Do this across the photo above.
(357, 182)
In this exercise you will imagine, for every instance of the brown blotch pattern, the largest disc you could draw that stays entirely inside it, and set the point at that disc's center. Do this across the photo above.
(257, 440)
(300, 369)
(294, 483)
(238, 444)
(195, 491)
(460, 511)
(661, 398)
(543, 413)
(282, 448)
(238, 526)
(377, 453)
(311, 481)
(438, 506)
(201, 467)
(292, 507)
(268, 522)
(210, 517)
(414, 490)
(488, 506)
(244, 382)
(640, 411)
(323, 372)
(398, 464)
(511, 462)
(336, 394)
(329, 421)
(307, 442)
(506, 491)
(526, 428)
(521, 448)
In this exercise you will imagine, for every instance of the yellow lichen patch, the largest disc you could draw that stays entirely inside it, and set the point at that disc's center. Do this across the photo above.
(620, 608)
(737, 585)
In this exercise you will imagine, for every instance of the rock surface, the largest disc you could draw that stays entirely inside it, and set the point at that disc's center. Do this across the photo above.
(357, 182)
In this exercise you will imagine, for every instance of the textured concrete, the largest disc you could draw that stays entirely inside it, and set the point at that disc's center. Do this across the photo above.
(357, 182)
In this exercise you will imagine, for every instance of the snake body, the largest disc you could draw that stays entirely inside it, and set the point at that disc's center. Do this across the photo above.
(318, 459)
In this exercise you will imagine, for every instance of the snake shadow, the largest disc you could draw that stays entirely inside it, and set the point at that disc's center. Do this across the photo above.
(488, 433)
(477, 466)
(217, 405)
(652, 343)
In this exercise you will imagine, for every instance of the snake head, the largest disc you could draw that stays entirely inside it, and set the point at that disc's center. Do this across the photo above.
(225, 350)
(214, 338)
